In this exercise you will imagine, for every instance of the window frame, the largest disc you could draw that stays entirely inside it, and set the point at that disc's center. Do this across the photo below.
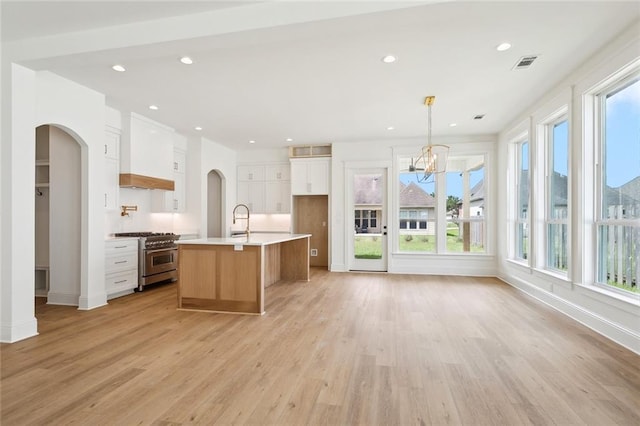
(517, 217)
(599, 96)
(555, 119)
(471, 219)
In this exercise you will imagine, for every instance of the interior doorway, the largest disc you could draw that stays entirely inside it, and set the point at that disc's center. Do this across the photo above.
(215, 204)
(58, 216)
(311, 216)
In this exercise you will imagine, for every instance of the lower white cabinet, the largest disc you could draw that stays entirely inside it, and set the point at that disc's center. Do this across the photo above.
(121, 266)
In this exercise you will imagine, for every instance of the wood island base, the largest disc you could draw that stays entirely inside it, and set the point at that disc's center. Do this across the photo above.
(230, 275)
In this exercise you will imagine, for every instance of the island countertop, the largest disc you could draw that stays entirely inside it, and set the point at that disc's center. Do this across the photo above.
(256, 239)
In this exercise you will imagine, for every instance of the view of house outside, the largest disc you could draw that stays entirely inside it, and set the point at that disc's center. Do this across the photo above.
(465, 231)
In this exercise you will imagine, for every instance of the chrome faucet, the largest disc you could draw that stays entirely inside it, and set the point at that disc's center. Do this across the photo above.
(234, 217)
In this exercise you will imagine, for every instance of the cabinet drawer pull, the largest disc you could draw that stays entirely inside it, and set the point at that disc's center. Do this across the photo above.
(120, 247)
(120, 282)
(121, 261)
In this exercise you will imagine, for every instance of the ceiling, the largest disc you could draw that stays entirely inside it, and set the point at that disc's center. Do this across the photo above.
(312, 71)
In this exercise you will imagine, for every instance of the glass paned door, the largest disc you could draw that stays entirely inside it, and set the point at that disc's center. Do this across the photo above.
(368, 241)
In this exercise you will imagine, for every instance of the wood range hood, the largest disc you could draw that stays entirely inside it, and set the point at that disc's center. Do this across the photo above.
(130, 180)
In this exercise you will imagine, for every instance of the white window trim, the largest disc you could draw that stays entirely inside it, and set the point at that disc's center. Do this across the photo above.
(594, 138)
(549, 123)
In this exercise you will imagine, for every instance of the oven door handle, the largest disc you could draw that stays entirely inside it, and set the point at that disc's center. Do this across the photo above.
(147, 251)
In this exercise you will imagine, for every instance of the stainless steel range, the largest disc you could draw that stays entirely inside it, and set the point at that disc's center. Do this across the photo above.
(157, 256)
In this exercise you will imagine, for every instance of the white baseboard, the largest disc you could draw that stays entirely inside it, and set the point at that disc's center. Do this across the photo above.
(64, 299)
(623, 336)
(96, 301)
(10, 333)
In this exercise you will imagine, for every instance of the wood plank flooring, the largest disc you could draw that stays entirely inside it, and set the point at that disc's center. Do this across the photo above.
(342, 349)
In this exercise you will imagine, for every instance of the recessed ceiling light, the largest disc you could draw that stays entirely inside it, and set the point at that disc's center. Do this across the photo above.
(118, 68)
(252, 141)
(389, 59)
(153, 107)
(453, 124)
(198, 128)
(390, 128)
(186, 60)
(289, 140)
(503, 46)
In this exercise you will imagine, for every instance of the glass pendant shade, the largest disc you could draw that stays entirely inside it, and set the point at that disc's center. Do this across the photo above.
(432, 158)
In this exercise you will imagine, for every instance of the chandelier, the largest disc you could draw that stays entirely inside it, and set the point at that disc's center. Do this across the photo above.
(432, 158)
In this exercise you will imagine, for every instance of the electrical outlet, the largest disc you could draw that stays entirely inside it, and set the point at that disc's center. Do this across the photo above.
(314, 252)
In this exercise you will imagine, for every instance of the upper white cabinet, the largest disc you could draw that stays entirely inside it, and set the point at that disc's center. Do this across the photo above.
(252, 172)
(147, 149)
(173, 201)
(310, 176)
(253, 195)
(277, 172)
(264, 188)
(111, 169)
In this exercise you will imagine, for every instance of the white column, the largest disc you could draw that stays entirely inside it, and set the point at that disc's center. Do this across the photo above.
(17, 183)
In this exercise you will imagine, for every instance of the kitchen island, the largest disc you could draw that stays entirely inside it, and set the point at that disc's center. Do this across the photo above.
(231, 274)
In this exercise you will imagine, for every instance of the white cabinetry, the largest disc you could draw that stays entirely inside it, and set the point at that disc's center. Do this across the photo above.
(310, 176)
(173, 201)
(264, 188)
(277, 196)
(121, 266)
(111, 169)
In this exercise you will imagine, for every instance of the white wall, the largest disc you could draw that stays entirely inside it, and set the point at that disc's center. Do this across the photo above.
(217, 157)
(614, 316)
(81, 112)
(65, 218)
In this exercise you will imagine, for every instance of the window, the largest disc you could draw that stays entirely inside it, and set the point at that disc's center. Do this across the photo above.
(417, 210)
(618, 220)
(366, 221)
(522, 201)
(557, 137)
(463, 213)
(465, 204)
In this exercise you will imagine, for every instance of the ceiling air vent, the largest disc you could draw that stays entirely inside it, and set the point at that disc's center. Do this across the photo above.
(525, 62)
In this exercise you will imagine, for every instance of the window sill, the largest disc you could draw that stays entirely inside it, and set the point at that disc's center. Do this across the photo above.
(631, 299)
(432, 254)
(521, 264)
(556, 277)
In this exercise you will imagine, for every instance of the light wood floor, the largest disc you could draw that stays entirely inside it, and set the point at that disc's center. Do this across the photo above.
(371, 349)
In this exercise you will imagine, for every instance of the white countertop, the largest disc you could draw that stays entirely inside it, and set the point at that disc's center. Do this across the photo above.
(254, 239)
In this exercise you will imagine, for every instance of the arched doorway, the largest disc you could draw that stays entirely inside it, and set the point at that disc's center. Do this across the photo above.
(58, 216)
(215, 204)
